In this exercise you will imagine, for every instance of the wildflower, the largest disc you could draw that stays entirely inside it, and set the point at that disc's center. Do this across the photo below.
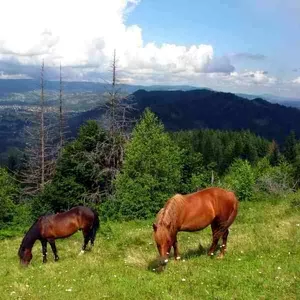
(68, 290)
(183, 279)
(279, 268)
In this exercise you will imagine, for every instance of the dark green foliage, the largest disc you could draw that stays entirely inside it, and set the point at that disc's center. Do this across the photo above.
(221, 148)
(274, 154)
(151, 171)
(8, 192)
(78, 173)
(290, 147)
(58, 196)
(197, 109)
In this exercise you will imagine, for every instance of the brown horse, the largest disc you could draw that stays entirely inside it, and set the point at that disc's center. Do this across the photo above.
(61, 225)
(192, 212)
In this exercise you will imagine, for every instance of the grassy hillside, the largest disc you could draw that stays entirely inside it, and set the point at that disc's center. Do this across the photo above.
(262, 262)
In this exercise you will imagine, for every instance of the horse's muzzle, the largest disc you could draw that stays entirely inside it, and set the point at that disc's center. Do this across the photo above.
(164, 261)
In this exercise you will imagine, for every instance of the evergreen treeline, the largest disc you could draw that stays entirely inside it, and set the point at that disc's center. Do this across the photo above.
(156, 165)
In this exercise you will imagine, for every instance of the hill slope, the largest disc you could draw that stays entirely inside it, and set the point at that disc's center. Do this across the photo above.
(217, 110)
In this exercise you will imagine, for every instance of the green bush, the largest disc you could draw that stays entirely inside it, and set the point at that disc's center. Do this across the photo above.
(23, 215)
(274, 180)
(241, 179)
(8, 191)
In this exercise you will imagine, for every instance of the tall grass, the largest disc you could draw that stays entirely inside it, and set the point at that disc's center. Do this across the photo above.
(262, 262)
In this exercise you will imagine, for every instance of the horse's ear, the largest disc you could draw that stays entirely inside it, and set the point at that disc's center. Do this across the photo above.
(154, 227)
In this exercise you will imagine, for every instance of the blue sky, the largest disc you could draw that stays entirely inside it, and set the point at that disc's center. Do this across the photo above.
(233, 26)
(237, 46)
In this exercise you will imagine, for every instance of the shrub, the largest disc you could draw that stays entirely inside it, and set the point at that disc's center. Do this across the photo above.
(241, 179)
(274, 180)
(8, 190)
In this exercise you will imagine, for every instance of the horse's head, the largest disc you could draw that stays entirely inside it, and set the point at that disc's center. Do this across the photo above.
(25, 255)
(164, 241)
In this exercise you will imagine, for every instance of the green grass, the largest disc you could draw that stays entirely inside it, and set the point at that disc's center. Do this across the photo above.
(262, 262)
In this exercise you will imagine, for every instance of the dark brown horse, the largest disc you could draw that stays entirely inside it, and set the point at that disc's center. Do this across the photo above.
(212, 206)
(61, 225)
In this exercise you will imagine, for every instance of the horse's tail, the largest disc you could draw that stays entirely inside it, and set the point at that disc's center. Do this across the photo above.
(95, 226)
(234, 211)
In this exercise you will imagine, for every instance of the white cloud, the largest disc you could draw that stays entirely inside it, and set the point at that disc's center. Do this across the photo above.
(246, 79)
(13, 76)
(296, 80)
(253, 77)
(83, 34)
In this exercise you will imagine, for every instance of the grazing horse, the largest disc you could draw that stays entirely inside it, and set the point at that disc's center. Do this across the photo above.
(61, 225)
(192, 212)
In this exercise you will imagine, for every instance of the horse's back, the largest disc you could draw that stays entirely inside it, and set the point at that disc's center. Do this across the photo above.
(224, 202)
(66, 223)
(203, 207)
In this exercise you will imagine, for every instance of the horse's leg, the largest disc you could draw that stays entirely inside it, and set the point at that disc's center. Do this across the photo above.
(86, 238)
(176, 251)
(216, 234)
(54, 250)
(224, 244)
(44, 250)
(93, 236)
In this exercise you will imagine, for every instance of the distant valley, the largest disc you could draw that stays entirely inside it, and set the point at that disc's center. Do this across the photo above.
(179, 107)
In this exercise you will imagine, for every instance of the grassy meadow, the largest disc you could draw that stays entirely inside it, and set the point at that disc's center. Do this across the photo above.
(262, 262)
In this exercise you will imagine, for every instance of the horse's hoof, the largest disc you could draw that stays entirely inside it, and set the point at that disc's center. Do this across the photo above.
(81, 252)
(56, 258)
(220, 256)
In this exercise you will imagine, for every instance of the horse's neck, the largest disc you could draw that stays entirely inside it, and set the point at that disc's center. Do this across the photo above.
(171, 213)
(30, 237)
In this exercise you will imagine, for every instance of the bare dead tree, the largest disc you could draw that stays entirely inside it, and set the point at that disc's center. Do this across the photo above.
(61, 115)
(42, 130)
(40, 152)
(109, 153)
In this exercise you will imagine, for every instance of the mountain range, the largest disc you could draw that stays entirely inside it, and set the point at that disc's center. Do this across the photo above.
(179, 108)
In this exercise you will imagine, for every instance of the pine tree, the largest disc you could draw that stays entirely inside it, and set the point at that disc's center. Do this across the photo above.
(151, 171)
(289, 147)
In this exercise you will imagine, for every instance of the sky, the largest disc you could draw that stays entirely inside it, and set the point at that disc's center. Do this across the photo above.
(248, 46)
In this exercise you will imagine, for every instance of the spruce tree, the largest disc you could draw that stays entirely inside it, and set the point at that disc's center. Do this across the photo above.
(151, 172)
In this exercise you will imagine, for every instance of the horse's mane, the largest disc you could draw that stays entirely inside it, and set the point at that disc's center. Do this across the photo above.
(30, 236)
(170, 212)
